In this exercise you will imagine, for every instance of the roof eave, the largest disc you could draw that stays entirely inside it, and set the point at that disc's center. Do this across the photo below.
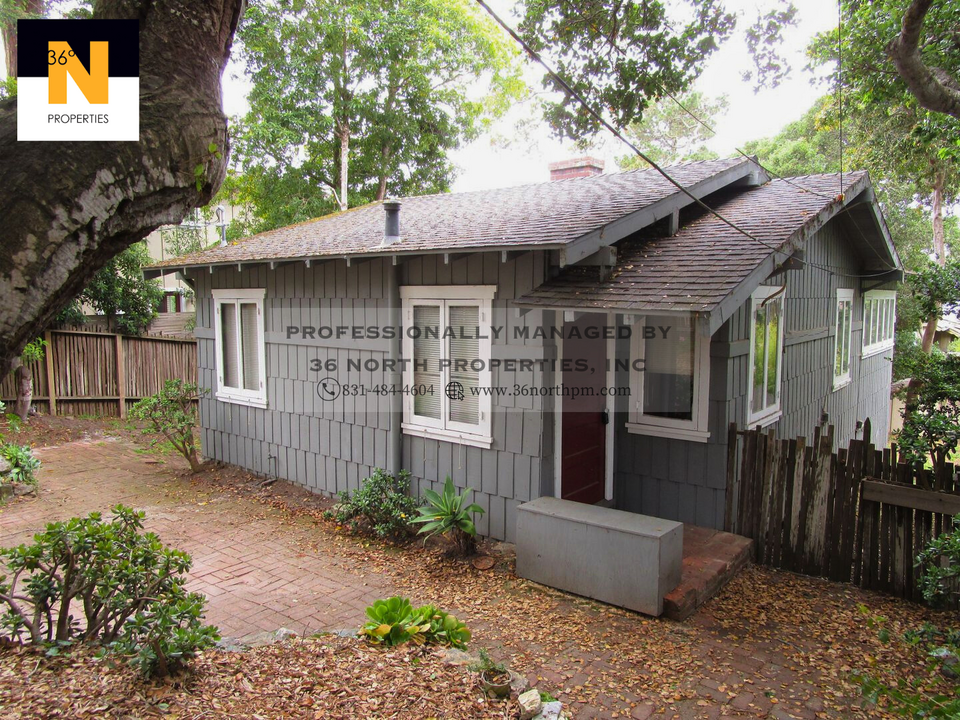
(508, 251)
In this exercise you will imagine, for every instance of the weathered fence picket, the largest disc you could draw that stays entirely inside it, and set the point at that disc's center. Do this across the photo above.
(100, 373)
(858, 514)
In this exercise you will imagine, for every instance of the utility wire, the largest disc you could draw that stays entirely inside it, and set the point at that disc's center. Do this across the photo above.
(840, 84)
(533, 54)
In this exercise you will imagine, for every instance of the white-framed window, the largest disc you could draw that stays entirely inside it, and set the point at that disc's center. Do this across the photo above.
(668, 396)
(879, 319)
(240, 350)
(446, 351)
(766, 355)
(844, 333)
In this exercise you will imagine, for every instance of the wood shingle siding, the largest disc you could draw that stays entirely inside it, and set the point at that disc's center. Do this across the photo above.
(685, 481)
(331, 446)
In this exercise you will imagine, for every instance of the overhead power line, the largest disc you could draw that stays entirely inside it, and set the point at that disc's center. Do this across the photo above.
(562, 83)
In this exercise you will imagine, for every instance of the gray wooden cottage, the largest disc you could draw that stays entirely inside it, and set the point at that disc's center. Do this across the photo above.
(695, 324)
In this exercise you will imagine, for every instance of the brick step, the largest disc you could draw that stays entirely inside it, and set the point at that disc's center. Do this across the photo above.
(711, 559)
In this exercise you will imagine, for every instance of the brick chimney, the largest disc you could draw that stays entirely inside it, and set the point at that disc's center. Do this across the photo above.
(576, 168)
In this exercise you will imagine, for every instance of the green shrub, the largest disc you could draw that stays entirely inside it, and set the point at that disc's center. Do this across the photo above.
(381, 505)
(448, 514)
(395, 621)
(89, 580)
(23, 464)
(172, 412)
(940, 565)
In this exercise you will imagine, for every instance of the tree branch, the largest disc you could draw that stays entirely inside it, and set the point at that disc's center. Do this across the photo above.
(68, 207)
(934, 88)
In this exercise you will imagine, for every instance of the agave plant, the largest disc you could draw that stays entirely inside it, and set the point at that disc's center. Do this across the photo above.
(449, 514)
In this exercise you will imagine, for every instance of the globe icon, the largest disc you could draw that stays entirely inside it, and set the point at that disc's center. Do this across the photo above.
(454, 390)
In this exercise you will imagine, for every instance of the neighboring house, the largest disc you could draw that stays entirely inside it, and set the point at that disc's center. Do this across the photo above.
(947, 332)
(176, 295)
(704, 327)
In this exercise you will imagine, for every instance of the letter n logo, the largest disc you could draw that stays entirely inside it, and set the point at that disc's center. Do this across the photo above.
(94, 84)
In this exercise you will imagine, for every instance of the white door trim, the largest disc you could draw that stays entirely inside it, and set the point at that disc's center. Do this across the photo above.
(611, 380)
(608, 429)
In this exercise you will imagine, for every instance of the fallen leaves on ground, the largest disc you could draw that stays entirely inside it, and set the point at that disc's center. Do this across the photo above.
(310, 678)
(770, 642)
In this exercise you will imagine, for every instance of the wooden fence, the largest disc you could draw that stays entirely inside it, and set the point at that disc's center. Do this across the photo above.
(856, 515)
(99, 373)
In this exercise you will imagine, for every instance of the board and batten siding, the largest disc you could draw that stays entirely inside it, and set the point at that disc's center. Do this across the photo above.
(685, 481)
(329, 447)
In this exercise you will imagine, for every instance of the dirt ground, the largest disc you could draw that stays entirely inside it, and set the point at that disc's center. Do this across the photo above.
(772, 644)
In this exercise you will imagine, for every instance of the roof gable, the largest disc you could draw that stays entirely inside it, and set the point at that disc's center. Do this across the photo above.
(708, 267)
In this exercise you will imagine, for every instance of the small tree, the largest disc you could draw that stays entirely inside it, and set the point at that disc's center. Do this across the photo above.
(120, 293)
(172, 412)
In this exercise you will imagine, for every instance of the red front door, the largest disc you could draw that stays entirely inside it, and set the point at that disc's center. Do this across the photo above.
(583, 431)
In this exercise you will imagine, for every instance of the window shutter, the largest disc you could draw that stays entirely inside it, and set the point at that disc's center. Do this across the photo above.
(249, 333)
(426, 349)
(464, 321)
(228, 329)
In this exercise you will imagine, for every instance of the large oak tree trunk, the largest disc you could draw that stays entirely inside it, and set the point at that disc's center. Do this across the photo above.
(68, 207)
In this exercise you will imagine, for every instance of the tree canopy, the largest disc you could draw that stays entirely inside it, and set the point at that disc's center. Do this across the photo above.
(621, 56)
(675, 130)
(354, 100)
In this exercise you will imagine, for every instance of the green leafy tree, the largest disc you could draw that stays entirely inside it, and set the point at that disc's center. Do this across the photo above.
(120, 293)
(352, 100)
(899, 136)
(675, 131)
(806, 146)
(621, 57)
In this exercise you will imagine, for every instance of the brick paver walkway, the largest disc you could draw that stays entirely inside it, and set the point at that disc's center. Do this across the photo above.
(247, 558)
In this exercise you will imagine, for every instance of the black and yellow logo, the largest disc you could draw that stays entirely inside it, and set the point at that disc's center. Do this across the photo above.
(78, 80)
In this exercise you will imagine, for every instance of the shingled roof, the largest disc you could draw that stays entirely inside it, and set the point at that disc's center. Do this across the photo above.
(544, 215)
(699, 267)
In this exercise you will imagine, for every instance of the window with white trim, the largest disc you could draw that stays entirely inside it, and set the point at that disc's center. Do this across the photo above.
(447, 352)
(669, 395)
(241, 361)
(766, 355)
(879, 320)
(842, 338)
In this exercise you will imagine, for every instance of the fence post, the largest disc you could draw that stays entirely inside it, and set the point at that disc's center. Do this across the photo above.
(121, 380)
(48, 366)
